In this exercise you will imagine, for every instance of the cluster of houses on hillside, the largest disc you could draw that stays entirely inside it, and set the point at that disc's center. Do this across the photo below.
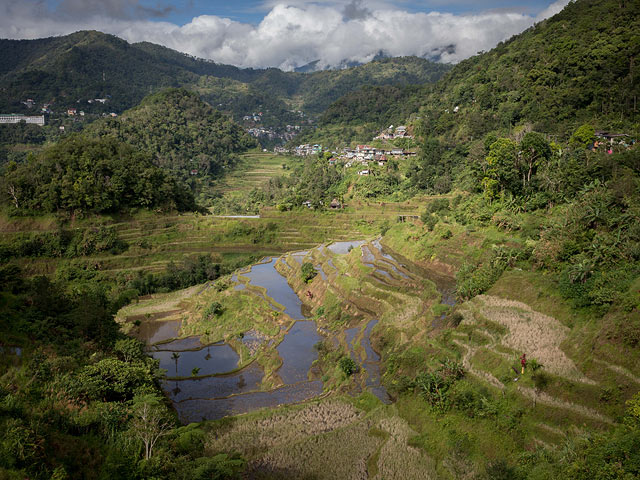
(361, 155)
(364, 155)
(271, 134)
(607, 141)
(306, 149)
(46, 109)
(254, 117)
(392, 133)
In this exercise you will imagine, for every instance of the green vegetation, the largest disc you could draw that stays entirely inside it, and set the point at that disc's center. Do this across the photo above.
(81, 400)
(99, 176)
(181, 132)
(348, 366)
(89, 64)
(308, 272)
(515, 229)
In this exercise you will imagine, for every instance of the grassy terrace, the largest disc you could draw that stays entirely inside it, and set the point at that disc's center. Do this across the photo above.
(155, 240)
(253, 171)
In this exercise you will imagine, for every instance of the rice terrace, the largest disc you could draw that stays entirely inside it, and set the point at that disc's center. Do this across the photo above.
(384, 242)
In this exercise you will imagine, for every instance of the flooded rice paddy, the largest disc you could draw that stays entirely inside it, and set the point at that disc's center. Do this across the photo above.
(203, 381)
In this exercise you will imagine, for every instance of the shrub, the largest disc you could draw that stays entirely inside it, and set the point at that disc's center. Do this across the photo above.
(308, 272)
(348, 366)
(429, 220)
(213, 310)
(439, 205)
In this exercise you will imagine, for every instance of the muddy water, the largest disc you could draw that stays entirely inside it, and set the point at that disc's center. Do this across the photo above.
(154, 331)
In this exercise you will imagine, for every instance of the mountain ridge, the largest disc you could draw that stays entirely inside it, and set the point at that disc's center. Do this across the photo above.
(89, 64)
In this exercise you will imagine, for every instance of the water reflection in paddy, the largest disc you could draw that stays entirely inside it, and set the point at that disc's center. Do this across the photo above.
(220, 395)
(297, 352)
(349, 336)
(265, 275)
(299, 256)
(239, 285)
(321, 271)
(246, 380)
(367, 256)
(196, 410)
(343, 247)
(372, 365)
(180, 344)
(155, 331)
(209, 360)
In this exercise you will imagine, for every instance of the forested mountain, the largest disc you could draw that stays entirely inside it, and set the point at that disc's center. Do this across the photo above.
(68, 71)
(575, 67)
(183, 133)
(142, 158)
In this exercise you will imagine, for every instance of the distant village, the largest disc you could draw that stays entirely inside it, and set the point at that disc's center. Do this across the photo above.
(361, 155)
(45, 109)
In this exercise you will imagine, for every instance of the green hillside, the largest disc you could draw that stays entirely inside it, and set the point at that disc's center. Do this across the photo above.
(182, 133)
(88, 65)
(573, 68)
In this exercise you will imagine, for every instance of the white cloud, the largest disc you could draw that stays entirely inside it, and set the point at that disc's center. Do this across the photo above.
(290, 36)
(552, 9)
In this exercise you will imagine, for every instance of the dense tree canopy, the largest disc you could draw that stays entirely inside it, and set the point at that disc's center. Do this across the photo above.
(81, 174)
(180, 131)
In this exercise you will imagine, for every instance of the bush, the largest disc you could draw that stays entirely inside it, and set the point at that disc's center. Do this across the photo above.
(429, 220)
(439, 205)
(348, 366)
(308, 272)
(213, 310)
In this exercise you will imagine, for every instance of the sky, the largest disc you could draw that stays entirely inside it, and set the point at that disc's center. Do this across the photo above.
(287, 34)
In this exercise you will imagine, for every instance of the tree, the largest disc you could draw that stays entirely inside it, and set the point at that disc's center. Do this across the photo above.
(348, 366)
(534, 150)
(502, 166)
(583, 137)
(150, 422)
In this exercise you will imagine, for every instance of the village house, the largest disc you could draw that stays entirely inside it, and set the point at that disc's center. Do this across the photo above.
(335, 204)
(17, 118)
(307, 149)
